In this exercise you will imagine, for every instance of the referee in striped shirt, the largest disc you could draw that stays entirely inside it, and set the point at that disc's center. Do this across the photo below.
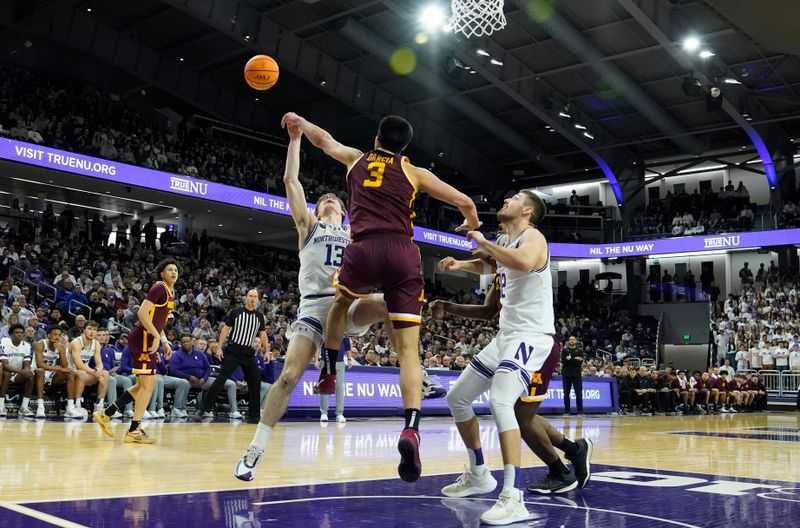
(240, 331)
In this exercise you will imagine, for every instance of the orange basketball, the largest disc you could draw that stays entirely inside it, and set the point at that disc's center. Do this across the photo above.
(261, 72)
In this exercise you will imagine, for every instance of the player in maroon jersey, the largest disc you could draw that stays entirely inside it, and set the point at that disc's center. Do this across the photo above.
(144, 340)
(382, 184)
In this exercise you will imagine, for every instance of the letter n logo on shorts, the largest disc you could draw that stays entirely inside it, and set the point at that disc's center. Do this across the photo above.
(524, 351)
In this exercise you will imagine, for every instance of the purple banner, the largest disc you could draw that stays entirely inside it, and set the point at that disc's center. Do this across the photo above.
(378, 389)
(753, 239)
(173, 183)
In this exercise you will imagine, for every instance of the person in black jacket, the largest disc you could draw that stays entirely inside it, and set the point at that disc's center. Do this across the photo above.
(627, 392)
(660, 397)
(571, 364)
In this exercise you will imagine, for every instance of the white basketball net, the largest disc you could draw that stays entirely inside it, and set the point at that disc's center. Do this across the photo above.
(477, 17)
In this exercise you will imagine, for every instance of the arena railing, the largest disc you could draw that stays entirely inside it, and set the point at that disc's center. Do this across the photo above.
(82, 307)
(16, 273)
(790, 383)
(607, 357)
(632, 363)
(46, 291)
(772, 381)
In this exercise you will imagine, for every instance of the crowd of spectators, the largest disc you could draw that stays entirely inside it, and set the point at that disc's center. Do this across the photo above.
(82, 118)
(759, 329)
(701, 212)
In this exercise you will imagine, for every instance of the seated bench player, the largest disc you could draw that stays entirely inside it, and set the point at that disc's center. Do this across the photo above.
(52, 368)
(16, 358)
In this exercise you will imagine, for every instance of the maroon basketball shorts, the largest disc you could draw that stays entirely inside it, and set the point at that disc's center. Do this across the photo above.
(540, 379)
(143, 363)
(391, 264)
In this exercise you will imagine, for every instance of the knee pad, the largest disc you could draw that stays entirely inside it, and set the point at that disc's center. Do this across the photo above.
(506, 390)
(460, 397)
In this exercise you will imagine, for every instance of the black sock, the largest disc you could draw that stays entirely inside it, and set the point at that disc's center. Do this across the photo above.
(557, 467)
(329, 357)
(412, 419)
(121, 402)
(134, 425)
(568, 447)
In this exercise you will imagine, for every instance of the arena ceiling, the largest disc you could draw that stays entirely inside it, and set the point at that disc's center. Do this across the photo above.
(617, 68)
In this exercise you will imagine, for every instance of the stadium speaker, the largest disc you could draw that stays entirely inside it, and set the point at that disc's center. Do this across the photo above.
(714, 99)
(453, 67)
(692, 87)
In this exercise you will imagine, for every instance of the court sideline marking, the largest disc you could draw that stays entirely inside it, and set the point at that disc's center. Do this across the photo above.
(46, 517)
(440, 497)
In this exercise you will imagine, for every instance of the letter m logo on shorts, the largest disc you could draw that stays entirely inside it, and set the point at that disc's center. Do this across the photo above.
(536, 378)
(144, 357)
(524, 352)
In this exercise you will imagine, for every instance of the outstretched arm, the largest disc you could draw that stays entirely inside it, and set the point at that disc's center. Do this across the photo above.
(440, 190)
(303, 219)
(321, 139)
(529, 255)
(486, 312)
(474, 266)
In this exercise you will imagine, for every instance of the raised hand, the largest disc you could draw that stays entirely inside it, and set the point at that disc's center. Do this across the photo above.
(448, 264)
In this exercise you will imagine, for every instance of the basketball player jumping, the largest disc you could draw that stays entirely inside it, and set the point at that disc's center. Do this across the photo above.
(322, 240)
(516, 364)
(144, 342)
(382, 185)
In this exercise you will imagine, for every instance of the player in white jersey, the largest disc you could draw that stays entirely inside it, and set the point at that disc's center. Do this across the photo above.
(82, 349)
(15, 356)
(52, 368)
(517, 363)
(322, 240)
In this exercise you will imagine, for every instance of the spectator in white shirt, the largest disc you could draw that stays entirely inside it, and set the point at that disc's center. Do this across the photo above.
(742, 358)
(781, 357)
(767, 359)
(755, 358)
(794, 359)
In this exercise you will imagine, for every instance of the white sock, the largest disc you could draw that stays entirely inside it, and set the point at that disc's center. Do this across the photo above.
(26, 402)
(261, 436)
(99, 403)
(70, 405)
(509, 476)
(40, 402)
(78, 402)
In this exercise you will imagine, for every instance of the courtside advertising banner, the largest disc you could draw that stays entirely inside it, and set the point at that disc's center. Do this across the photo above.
(179, 184)
(376, 390)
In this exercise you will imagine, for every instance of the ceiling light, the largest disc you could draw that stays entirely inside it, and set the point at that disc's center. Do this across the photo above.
(731, 80)
(705, 54)
(181, 59)
(432, 16)
(547, 127)
(496, 62)
(256, 98)
(247, 37)
(220, 225)
(552, 130)
(588, 135)
(260, 232)
(691, 43)
(564, 114)
(323, 82)
(447, 28)
(580, 126)
(483, 53)
(472, 71)
(88, 9)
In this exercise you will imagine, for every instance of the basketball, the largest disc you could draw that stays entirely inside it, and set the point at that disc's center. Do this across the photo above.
(261, 72)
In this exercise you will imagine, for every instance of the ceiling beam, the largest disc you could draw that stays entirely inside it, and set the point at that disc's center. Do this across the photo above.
(637, 9)
(237, 19)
